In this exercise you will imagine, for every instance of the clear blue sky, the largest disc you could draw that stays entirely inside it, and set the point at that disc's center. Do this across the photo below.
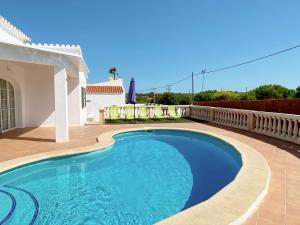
(160, 41)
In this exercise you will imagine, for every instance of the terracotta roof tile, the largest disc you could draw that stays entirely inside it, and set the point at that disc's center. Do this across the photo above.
(104, 89)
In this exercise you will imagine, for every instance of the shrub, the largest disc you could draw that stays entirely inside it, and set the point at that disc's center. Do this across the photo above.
(250, 95)
(213, 95)
(273, 91)
(297, 93)
(167, 98)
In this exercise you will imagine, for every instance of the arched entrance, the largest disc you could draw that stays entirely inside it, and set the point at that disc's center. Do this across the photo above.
(7, 106)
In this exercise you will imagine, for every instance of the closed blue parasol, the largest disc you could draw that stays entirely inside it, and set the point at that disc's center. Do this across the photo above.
(131, 98)
(131, 93)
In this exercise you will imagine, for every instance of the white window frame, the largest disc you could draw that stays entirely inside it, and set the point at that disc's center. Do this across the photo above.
(8, 108)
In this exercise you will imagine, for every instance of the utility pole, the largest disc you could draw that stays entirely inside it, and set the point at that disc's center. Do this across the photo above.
(203, 72)
(193, 93)
(169, 88)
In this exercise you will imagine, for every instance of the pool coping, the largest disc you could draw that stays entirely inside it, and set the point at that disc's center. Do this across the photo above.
(231, 205)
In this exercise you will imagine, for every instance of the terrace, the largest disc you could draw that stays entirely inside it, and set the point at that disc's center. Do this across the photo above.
(280, 206)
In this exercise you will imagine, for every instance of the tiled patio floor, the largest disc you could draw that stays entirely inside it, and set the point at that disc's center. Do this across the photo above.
(281, 206)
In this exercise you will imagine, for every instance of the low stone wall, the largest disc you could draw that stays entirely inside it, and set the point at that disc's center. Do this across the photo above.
(180, 110)
(290, 106)
(278, 125)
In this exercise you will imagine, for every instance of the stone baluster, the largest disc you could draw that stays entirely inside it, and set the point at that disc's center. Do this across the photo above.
(229, 118)
(295, 130)
(270, 125)
(274, 125)
(257, 117)
(265, 127)
(279, 127)
(290, 128)
(244, 120)
(241, 120)
(298, 135)
(261, 123)
(284, 128)
(234, 119)
(237, 119)
(225, 117)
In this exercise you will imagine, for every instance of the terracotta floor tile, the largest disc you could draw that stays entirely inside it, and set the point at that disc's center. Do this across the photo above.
(292, 220)
(280, 206)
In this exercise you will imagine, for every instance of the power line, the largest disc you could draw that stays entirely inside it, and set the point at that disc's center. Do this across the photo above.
(250, 61)
(203, 72)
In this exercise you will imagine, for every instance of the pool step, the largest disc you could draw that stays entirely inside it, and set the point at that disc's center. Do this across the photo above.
(12, 208)
(11, 192)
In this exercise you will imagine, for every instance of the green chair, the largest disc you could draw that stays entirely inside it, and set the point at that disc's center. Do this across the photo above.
(172, 112)
(158, 114)
(129, 112)
(143, 114)
(113, 112)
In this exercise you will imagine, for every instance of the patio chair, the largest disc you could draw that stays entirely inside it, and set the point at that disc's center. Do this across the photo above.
(113, 112)
(172, 112)
(129, 112)
(158, 114)
(143, 114)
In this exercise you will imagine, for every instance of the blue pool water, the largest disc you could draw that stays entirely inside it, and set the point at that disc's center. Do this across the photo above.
(143, 178)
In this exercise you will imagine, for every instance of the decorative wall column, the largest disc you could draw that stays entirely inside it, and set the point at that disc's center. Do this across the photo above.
(61, 105)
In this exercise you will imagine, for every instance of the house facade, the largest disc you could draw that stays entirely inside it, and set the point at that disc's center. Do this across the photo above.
(41, 85)
(103, 95)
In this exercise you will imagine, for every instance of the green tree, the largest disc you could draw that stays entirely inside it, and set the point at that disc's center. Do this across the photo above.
(183, 99)
(250, 95)
(226, 96)
(297, 93)
(167, 98)
(214, 95)
(273, 91)
(206, 95)
(113, 71)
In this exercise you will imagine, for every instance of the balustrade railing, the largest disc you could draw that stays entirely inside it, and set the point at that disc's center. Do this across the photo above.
(278, 125)
(180, 111)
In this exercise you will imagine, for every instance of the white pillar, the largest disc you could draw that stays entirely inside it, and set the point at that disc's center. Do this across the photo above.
(61, 105)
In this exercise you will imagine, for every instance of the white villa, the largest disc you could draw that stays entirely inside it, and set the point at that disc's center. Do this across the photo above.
(104, 94)
(41, 85)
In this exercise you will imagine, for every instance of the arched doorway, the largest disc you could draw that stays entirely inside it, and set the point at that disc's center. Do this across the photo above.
(7, 106)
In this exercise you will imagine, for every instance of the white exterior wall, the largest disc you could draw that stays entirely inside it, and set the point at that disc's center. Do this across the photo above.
(83, 111)
(33, 85)
(47, 81)
(95, 101)
(39, 96)
(5, 37)
(77, 114)
(34, 94)
(15, 75)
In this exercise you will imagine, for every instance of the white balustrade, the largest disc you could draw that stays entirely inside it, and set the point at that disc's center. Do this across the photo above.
(278, 125)
(180, 110)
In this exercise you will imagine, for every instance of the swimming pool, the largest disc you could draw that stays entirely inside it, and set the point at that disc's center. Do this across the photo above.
(143, 178)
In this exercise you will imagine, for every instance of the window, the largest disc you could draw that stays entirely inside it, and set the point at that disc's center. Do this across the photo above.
(83, 97)
(7, 106)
